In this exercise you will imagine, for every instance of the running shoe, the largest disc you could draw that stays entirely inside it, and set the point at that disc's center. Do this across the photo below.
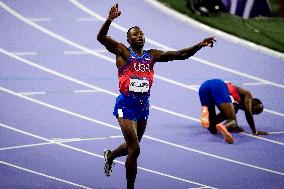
(108, 164)
(204, 117)
(227, 136)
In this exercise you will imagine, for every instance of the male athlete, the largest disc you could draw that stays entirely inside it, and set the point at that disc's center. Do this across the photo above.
(135, 73)
(229, 99)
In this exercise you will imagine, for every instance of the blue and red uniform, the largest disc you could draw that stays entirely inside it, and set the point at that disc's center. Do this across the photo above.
(216, 91)
(136, 77)
(233, 91)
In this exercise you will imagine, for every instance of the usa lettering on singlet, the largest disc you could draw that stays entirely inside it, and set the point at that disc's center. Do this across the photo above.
(136, 75)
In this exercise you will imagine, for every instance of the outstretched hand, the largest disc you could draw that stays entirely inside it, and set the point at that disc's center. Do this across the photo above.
(114, 12)
(208, 42)
(260, 133)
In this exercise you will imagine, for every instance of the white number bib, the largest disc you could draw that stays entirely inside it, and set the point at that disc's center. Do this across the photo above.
(139, 85)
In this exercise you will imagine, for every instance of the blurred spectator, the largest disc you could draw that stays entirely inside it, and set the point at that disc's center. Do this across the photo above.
(205, 7)
(248, 8)
(280, 8)
(243, 8)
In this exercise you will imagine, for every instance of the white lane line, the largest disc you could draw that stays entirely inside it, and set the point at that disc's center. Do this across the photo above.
(255, 83)
(84, 52)
(98, 156)
(39, 19)
(59, 140)
(20, 59)
(32, 93)
(85, 139)
(216, 32)
(145, 136)
(102, 56)
(86, 91)
(25, 53)
(198, 188)
(276, 133)
(44, 93)
(117, 26)
(175, 82)
(89, 19)
(262, 138)
(43, 175)
(24, 146)
(273, 112)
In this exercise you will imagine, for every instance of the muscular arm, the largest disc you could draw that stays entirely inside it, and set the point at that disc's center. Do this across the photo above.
(110, 44)
(165, 56)
(247, 107)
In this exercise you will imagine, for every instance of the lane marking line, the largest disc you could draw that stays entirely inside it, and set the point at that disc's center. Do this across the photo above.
(59, 140)
(32, 93)
(86, 91)
(276, 133)
(262, 138)
(84, 52)
(39, 19)
(25, 53)
(89, 19)
(255, 83)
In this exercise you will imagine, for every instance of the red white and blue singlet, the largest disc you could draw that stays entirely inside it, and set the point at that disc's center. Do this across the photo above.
(135, 77)
(137, 74)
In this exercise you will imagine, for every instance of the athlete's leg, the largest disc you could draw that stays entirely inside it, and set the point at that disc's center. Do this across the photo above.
(129, 130)
(122, 150)
(228, 112)
(212, 119)
(220, 118)
(206, 102)
(141, 127)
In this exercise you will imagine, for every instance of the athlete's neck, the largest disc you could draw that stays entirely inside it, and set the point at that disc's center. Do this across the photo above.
(138, 51)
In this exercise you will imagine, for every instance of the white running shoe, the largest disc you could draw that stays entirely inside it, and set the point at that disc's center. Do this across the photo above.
(108, 165)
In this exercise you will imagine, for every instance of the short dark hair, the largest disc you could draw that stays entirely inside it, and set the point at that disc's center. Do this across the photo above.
(131, 29)
(258, 102)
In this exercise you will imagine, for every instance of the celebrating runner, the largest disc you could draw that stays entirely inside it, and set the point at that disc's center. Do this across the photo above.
(135, 74)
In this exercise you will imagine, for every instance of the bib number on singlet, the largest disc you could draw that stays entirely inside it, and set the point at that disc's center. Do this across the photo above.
(139, 85)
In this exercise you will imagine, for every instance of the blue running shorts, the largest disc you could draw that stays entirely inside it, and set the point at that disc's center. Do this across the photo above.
(214, 92)
(132, 107)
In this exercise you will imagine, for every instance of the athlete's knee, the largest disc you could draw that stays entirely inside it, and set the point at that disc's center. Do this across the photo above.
(134, 151)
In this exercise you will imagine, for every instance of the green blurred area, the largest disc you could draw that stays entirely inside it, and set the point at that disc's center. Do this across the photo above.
(268, 32)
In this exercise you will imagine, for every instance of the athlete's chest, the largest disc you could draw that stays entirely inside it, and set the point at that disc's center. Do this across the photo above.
(140, 66)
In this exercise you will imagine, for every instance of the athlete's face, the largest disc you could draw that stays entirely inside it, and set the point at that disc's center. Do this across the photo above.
(136, 38)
